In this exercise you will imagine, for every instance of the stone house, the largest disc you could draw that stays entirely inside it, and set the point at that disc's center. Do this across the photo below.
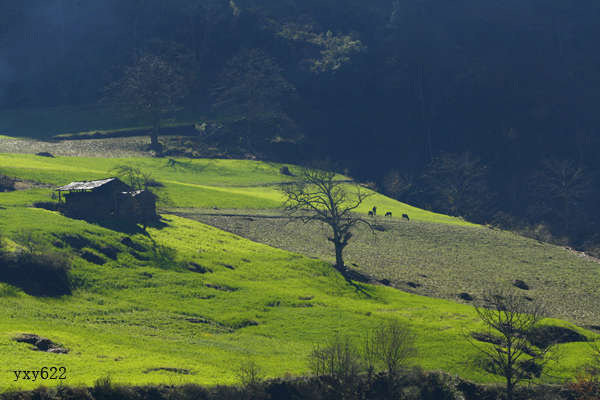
(106, 199)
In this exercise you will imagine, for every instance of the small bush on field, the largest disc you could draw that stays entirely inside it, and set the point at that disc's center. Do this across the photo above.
(7, 183)
(419, 384)
(586, 385)
(188, 391)
(105, 389)
(389, 348)
(251, 376)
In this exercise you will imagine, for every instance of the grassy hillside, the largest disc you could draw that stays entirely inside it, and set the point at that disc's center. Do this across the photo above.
(439, 260)
(194, 300)
(236, 184)
(135, 319)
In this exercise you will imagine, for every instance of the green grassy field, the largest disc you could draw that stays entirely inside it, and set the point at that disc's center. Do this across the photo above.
(145, 313)
(438, 260)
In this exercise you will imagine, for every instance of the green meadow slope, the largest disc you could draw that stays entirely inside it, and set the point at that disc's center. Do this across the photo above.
(194, 300)
(446, 261)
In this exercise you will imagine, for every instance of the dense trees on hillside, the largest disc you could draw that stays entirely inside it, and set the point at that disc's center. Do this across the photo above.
(381, 86)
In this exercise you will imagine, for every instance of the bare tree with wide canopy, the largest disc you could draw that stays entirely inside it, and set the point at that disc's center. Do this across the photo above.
(511, 321)
(319, 195)
(153, 85)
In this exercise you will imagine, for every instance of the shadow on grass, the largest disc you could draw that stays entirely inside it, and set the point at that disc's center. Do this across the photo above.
(126, 228)
(360, 289)
(35, 278)
(183, 166)
(356, 280)
(129, 228)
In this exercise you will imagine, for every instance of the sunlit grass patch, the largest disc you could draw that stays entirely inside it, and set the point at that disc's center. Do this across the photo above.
(129, 316)
(235, 184)
(198, 298)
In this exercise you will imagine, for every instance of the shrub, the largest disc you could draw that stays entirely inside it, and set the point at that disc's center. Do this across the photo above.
(7, 183)
(419, 384)
(389, 347)
(586, 385)
(188, 391)
(64, 392)
(104, 389)
(337, 358)
(250, 375)
(337, 364)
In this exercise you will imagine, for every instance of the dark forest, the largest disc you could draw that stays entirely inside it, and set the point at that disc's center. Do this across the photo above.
(487, 110)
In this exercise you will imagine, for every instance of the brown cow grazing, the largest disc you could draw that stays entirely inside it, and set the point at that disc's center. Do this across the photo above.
(388, 214)
(370, 213)
(405, 216)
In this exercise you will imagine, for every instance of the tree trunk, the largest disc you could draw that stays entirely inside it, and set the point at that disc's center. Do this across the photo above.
(339, 260)
(566, 201)
(154, 144)
(249, 135)
(509, 387)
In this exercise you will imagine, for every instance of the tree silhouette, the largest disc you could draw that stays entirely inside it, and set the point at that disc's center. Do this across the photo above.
(559, 187)
(317, 195)
(510, 323)
(458, 183)
(141, 182)
(250, 88)
(153, 85)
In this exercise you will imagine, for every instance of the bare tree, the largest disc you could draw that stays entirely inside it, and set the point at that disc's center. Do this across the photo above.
(510, 322)
(141, 182)
(398, 185)
(317, 195)
(338, 361)
(251, 375)
(152, 84)
(559, 187)
(389, 347)
(32, 245)
(458, 183)
(251, 88)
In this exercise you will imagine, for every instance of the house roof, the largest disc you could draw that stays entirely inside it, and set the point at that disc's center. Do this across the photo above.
(138, 192)
(86, 185)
